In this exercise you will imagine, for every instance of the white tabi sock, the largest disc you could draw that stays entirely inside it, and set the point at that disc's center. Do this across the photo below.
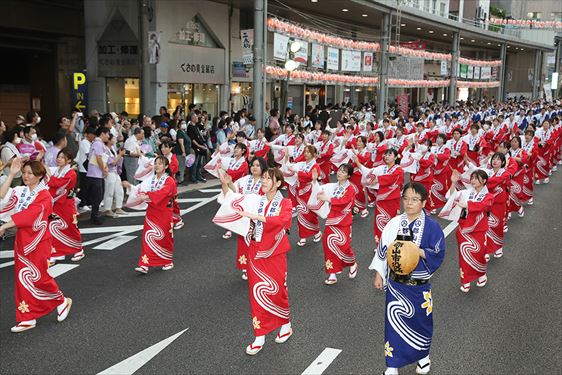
(424, 361)
(391, 371)
(285, 328)
(61, 306)
(28, 322)
(259, 341)
(332, 276)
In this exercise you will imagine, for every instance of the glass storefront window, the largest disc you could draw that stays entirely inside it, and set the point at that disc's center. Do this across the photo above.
(241, 95)
(123, 95)
(204, 96)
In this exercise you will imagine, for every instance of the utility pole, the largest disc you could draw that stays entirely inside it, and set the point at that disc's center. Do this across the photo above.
(259, 67)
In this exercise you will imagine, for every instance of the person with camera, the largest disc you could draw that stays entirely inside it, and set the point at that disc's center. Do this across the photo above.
(476, 203)
(64, 229)
(132, 153)
(97, 171)
(198, 145)
(408, 334)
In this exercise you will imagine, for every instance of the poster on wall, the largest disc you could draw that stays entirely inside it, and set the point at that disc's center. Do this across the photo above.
(333, 58)
(317, 56)
(477, 70)
(153, 47)
(368, 62)
(486, 72)
(350, 61)
(444, 68)
(247, 40)
(280, 44)
(402, 101)
(301, 55)
(494, 73)
(470, 73)
(463, 70)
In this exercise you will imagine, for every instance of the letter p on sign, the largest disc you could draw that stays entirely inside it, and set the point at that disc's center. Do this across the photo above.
(78, 79)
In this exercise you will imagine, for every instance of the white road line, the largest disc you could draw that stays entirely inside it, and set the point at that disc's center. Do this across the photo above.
(132, 364)
(210, 190)
(321, 363)
(114, 242)
(7, 264)
(115, 229)
(7, 254)
(200, 204)
(450, 228)
(59, 269)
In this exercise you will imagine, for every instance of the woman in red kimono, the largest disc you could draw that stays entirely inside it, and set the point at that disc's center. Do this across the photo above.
(307, 220)
(390, 178)
(157, 235)
(441, 174)
(325, 153)
(545, 143)
(530, 145)
(516, 195)
(364, 158)
(296, 155)
(267, 258)
(259, 146)
(476, 144)
(237, 168)
(378, 149)
(166, 150)
(498, 185)
(458, 151)
(426, 163)
(249, 184)
(473, 225)
(337, 232)
(66, 235)
(36, 292)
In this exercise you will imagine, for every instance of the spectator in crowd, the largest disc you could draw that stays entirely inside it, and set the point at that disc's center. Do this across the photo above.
(20, 120)
(32, 118)
(66, 128)
(198, 145)
(97, 170)
(113, 190)
(10, 151)
(81, 160)
(182, 149)
(59, 142)
(250, 127)
(132, 153)
(30, 145)
(163, 110)
(273, 129)
(2, 129)
(150, 139)
(79, 124)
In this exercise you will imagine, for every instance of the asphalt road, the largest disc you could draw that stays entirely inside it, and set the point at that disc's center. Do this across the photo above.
(512, 326)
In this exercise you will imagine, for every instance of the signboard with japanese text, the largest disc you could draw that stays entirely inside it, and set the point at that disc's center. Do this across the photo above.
(247, 40)
(444, 68)
(477, 71)
(406, 68)
(350, 61)
(470, 72)
(194, 64)
(301, 56)
(486, 72)
(118, 50)
(333, 58)
(463, 70)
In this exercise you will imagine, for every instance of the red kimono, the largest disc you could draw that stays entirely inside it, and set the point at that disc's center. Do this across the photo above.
(528, 180)
(267, 270)
(36, 292)
(441, 178)
(458, 152)
(337, 232)
(388, 196)
(307, 220)
(471, 236)
(237, 168)
(425, 172)
(66, 235)
(497, 184)
(516, 195)
(245, 185)
(261, 149)
(325, 153)
(476, 144)
(542, 170)
(364, 158)
(157, 236)
(174, 168)
(296, 156)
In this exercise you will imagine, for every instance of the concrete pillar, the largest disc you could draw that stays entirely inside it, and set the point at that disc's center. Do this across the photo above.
(259, 68)
(503, 67)
(454, 68)
(145, 67)
(537, 75)
(383, 71)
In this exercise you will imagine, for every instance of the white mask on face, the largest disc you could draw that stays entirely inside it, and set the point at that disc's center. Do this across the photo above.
(183, 126)
(34, 137)
(17, 141)
(38, 119)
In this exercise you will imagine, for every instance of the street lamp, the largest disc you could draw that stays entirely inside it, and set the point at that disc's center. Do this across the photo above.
(290, 65)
